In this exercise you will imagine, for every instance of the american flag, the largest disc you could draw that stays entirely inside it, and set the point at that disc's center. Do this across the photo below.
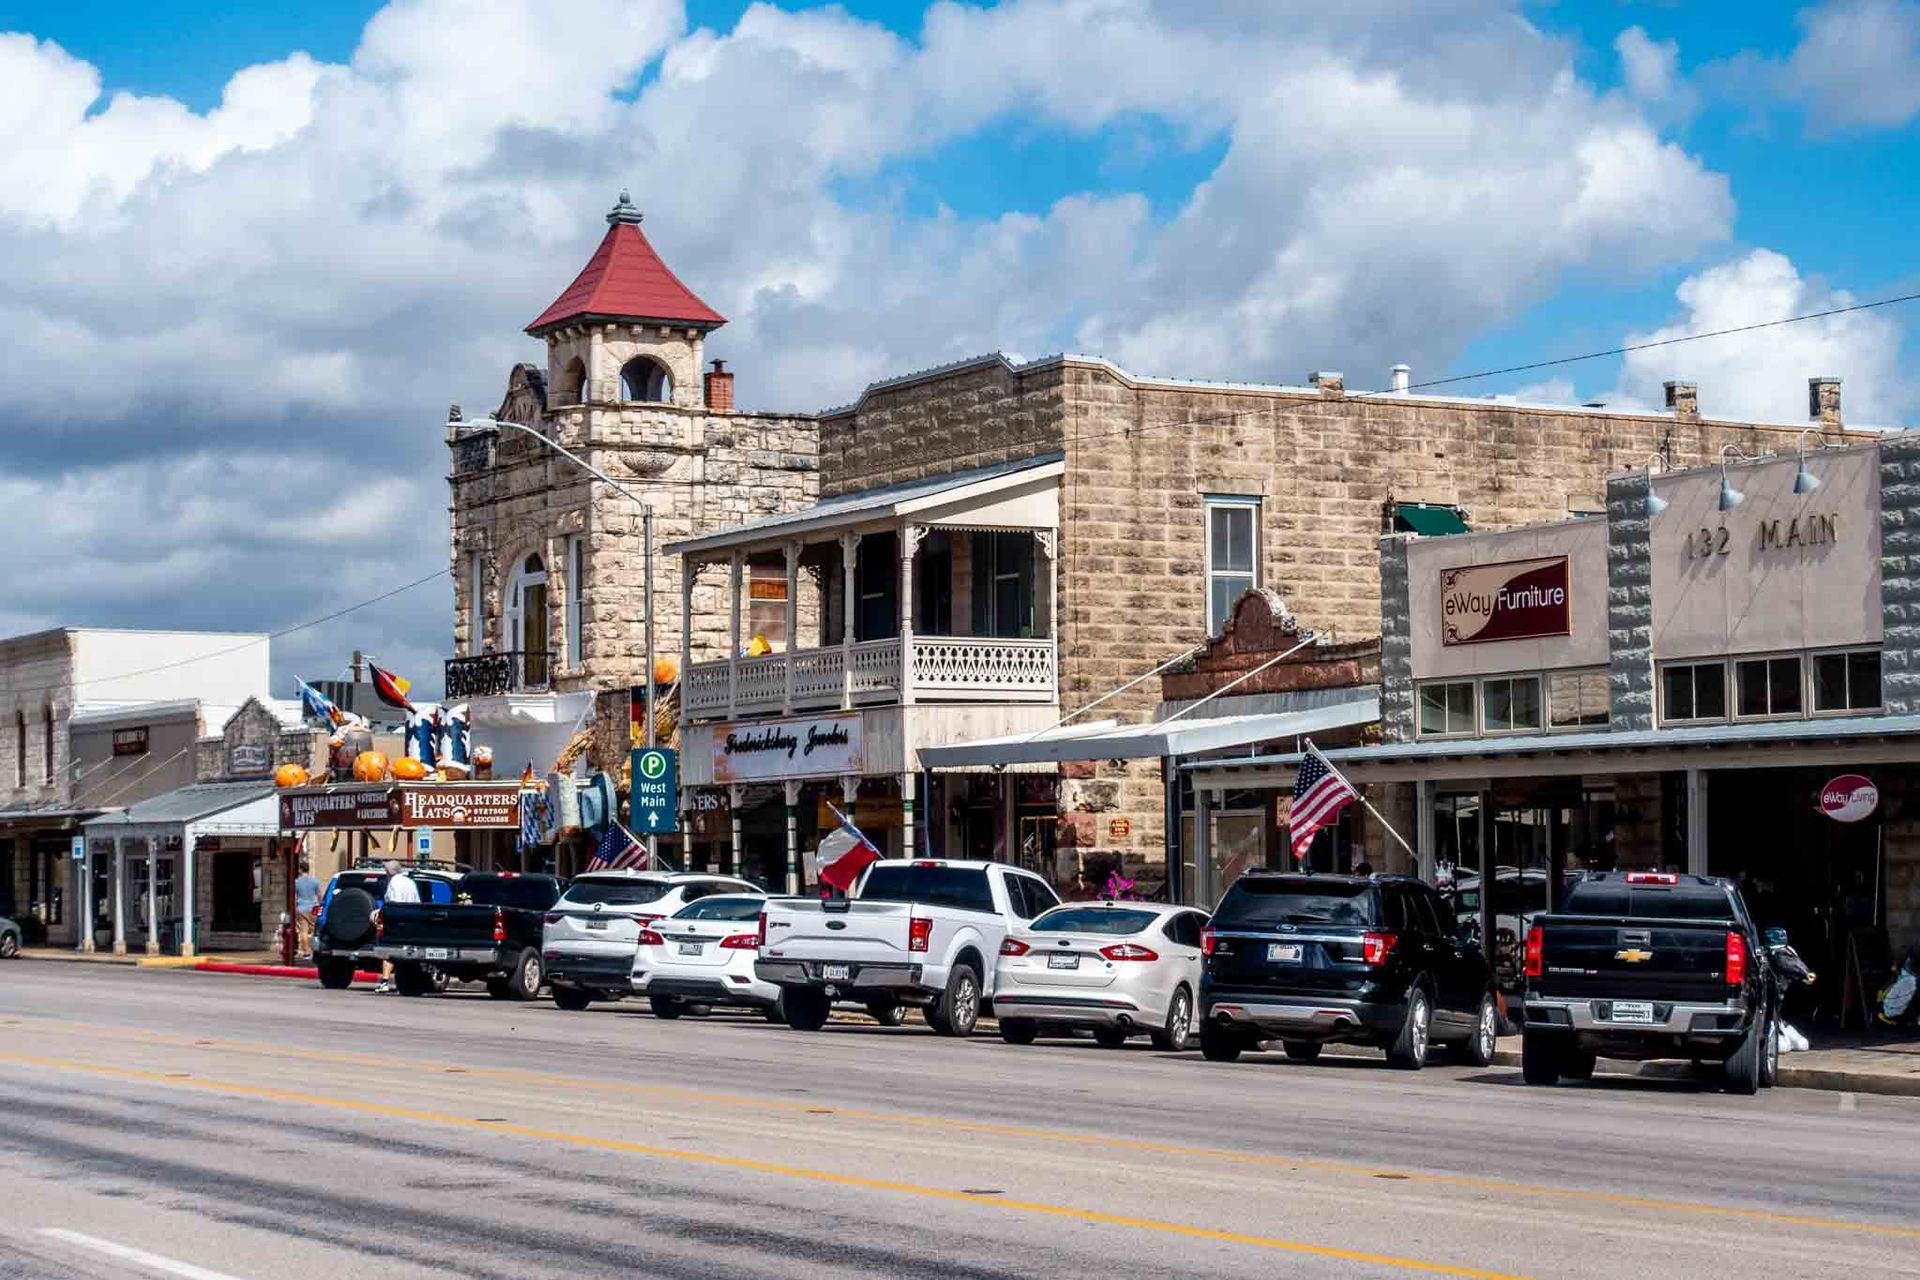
(618, 851)
(1319, 794)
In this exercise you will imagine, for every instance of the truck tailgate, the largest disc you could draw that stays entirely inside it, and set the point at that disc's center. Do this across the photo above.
(424, 924)
(1645, 958)
(865, 931)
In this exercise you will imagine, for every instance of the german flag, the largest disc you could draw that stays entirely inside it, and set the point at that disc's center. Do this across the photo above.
(391, 689)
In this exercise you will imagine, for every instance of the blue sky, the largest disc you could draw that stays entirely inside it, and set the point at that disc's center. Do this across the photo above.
(293, 285)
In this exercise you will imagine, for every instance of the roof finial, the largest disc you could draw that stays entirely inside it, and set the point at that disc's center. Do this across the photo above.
(624, 211)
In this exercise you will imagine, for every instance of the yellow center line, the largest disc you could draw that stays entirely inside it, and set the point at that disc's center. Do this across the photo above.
(758, 1166)
(1055, 1136)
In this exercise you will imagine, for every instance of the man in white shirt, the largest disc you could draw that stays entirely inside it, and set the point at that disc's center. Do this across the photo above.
(400, 888)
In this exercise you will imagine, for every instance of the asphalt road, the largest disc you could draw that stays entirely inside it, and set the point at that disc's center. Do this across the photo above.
(202, 1126)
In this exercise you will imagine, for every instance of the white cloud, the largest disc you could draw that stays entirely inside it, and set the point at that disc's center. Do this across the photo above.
(1650, 67)
(1762, 375)
(314, 269)
(1858, 63)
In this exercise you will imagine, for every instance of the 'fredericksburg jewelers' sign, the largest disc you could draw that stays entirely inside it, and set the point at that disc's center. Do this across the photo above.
(1518, 600)
(760, 752)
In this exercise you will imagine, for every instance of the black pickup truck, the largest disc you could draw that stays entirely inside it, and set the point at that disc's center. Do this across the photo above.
(1640, 965)
(490, 933)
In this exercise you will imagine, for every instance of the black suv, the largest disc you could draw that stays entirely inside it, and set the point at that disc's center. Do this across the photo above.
(1313, 960)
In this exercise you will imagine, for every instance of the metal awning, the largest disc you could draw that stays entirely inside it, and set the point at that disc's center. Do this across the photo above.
(1106, 740)
(205, 808)
(1430, 519)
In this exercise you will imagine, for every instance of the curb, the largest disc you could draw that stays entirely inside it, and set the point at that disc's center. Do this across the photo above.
(271, 970)
(1823, 1079)
(76, 957)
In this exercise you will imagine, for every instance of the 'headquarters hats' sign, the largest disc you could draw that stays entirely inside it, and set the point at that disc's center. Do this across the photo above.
(1517, 600)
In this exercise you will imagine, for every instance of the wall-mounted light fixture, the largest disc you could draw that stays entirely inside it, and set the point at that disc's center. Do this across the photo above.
(1730, 497)
(1655, 503)
(1804, 481)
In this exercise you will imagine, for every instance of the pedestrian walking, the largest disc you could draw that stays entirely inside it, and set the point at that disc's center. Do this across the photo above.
(306, 901)
(400, 888)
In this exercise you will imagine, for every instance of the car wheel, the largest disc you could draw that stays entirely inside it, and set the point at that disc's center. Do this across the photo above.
(1110, 1037)
(1770, 1055)
(773, 1014)
(1172, 1037)
(1539, 1058)
(1302, 1050)
(1578, 1065)
(888, 1013)
(336, 974)
(1019, 1030)
(807, 1009)
(1479, 1047)
(499, 988)
(572, 999)
(1743, 1068)
(9, 945)
(1409, 1049)
(666, 1007)
(411, 980)
(958, 1008)
(1219, 1043)
(529, 973)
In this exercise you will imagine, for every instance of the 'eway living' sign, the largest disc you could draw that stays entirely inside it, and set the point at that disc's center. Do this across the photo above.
(1517, 600)
(761, 751)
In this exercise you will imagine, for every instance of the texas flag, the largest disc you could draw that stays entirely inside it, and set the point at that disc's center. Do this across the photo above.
(391, 689)
(844, 854)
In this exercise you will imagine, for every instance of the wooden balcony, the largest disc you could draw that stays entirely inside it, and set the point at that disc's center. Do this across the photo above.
(876, 673)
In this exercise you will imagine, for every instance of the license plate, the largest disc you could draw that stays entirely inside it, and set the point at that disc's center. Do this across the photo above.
(1631, 1011)
(436, 953)
(597, 924)
(1063, 962)
(830, 972)
(1284, 952)
(692, 948)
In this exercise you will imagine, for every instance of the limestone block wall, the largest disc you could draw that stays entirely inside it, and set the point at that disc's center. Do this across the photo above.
(36, 676)
(1630, 602)
(1900, 573)
(1396, 645)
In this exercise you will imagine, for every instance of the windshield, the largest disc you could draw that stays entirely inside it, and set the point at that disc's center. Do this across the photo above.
(963, 887)
(614, 893)
(722, 909)
(1111, 920)
(1262, 903)
(532, 893)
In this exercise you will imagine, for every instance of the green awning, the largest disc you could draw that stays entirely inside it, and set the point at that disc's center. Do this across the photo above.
(1428, 519)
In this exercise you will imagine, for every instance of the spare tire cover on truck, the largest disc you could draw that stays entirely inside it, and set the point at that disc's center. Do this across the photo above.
(349, 919)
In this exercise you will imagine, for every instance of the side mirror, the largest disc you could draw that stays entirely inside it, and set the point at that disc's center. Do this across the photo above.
(1776, 937)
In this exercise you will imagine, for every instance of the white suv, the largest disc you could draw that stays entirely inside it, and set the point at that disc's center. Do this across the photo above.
(589, 937)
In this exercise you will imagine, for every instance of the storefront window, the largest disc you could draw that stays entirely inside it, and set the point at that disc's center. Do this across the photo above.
(1510, 704)
(1446, 709)
(1693, 691)
(1767, 686)
(1846, 681)
(1577, 698)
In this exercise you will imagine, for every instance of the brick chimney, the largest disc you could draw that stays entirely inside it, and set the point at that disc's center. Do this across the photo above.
(1823, 401)
(1332, 385)
(719, 388)
(1684, 399)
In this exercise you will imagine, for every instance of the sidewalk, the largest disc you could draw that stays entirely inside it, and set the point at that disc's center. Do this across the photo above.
(1888, 1064)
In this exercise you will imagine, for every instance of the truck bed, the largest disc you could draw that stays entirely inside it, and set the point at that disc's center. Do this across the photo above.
(1632, 957)
(804, 929)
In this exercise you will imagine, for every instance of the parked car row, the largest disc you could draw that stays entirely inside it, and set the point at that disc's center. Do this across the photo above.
(1632, 965)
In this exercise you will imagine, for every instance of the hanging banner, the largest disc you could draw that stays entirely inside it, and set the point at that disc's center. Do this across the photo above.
(1849, 798)
(767, 750)
(1518, 600)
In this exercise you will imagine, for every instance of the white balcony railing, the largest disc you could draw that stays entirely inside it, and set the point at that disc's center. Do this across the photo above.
(936, 669)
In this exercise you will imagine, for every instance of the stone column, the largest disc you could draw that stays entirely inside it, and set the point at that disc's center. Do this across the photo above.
(849, 560)
(119, 897)
(792, 795)
(910, 536)
(733, 816)
(689, 569)
(153, 896)
(590, 389)
(793, 616)
(733, 634)
(907, 826)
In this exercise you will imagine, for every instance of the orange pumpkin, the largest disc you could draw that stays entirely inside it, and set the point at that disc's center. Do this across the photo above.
(409, 769)
(371, 766)
(291, 775)
(665, 670)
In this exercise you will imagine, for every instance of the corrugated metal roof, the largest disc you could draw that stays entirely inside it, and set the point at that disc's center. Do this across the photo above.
(187, 804)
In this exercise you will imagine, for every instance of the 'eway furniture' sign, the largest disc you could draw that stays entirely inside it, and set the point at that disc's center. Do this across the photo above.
(1518, 600)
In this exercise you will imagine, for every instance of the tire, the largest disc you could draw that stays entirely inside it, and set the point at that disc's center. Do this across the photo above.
(1743, 1068)
(412, 980)
(499, 989)
(349, 919)
(1477, 1049)
(1173, 1035)
(773, 1013)
(1302, 1050)
(336, 973)
(957, 1010)
(1219, 1043)
(9, 945)
(1770, 1055)
(1019, 1030)
(1539, 1058)
(1408, 1051)
(1110, 1037)
(1575, 1065)
(666, 1008)
(572, 999)
(529, 974)
(807, 1008)
(888, 1013)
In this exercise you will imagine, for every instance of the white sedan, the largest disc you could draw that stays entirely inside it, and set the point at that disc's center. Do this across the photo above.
(703, 955)
(588, 937)
(1120, 968)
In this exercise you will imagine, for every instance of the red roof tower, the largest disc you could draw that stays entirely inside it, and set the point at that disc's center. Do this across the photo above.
(625, 281)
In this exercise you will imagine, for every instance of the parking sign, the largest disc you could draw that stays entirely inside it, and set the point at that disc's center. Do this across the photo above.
(656, 790)
(422, 844)
(79, 848)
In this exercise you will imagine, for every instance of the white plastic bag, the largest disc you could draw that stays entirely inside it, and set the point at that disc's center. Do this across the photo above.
(1898, 997)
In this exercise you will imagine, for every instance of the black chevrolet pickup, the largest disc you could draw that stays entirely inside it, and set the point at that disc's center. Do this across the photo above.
(1646, 964)
(491, 933)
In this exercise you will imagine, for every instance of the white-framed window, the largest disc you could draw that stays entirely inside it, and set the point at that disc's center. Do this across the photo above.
(1510, 704)
(576, 585)
(1693, 692)
(1845, 682)
(1233, 555)
(1446, 709)
(1578, 699)
(1766, 688)
(476, 603)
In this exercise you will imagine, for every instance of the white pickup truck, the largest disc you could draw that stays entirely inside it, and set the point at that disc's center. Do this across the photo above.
(916, 931)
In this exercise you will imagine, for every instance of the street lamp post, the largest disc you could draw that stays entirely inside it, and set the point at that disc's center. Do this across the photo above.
(646, 542)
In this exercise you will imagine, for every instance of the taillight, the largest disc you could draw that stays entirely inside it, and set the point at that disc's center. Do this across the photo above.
(1207, 941)
(648, 938)
(1652, 877)
(760, 940)
(499, 925)
(919, 933)
(741, 942)
(1376, 947)
(1014, 947)
(1129, 951)
(1736, 960)
(1536, 947)
(552, 917)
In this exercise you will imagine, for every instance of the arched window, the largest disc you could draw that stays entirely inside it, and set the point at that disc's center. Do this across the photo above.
(642, 378)
(573, 382)
(526, 619)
